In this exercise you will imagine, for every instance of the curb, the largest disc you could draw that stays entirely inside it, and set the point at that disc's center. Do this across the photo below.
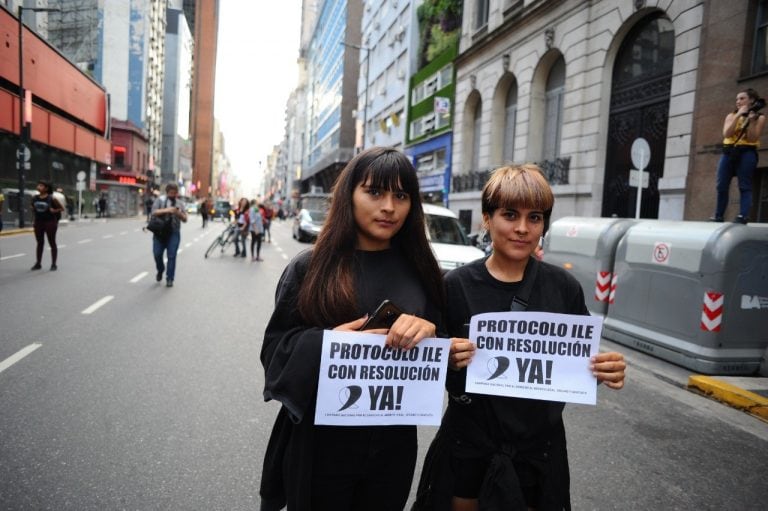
(732, 395)
(11, 232)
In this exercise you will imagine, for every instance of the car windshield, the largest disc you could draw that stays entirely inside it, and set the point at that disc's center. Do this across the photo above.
(445, 229)
(317, 216)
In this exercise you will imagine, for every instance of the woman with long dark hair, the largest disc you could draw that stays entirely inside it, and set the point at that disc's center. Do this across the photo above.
(373, 247)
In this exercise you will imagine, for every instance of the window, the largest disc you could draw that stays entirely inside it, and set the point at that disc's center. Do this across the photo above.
(760, 49)
(481, 13)
(553, 119)
(476, 136)
(432, 84)
(510, 118)
(119, 156)
(431, 163)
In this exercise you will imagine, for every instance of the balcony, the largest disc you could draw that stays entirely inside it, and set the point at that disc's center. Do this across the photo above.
(556, 172)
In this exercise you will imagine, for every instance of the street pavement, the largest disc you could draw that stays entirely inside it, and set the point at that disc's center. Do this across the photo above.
(119, 393)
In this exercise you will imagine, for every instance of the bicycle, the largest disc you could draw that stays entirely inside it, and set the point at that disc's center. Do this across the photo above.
(223, 240)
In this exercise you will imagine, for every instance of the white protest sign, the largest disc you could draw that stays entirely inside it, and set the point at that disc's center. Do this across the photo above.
(363, 382)
(534, 355)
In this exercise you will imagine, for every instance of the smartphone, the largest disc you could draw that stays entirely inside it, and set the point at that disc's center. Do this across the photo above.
(383, 317)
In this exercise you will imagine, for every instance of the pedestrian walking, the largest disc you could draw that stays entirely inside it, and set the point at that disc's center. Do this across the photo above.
(501, 453)
(47, 211)
(256, 226)
(170, 205)
(241, 235)
(268, 214)
(103, 206)
(373, 247)
(741, 139)
(204, 211)
(148, 206)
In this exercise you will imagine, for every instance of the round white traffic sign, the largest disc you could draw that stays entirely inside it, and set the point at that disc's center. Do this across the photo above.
(641, 153)
(81, 176)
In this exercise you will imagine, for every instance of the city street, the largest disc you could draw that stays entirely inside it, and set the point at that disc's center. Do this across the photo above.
(119, 393)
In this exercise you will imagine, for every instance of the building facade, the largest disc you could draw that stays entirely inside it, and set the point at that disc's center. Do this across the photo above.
(332, 74)
(388, 54)
(177, 163)
(571, 85)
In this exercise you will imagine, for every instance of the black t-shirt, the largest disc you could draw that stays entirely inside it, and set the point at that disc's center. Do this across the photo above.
(471, 290)
(42, 208)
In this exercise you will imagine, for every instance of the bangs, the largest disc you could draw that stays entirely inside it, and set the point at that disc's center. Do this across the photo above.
(391, 171)
(517, 187)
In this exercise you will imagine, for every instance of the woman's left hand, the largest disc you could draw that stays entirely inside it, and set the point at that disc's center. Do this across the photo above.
(408, 330)
(609, 368)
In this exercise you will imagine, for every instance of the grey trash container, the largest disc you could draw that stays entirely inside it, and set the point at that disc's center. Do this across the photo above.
(587, 247)
(693, 293)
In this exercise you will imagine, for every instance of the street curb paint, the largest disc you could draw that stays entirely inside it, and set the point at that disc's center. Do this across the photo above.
(736, 397)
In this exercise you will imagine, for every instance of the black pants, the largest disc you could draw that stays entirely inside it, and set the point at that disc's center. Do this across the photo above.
(42, 230)
(358, 468)
(256, 240)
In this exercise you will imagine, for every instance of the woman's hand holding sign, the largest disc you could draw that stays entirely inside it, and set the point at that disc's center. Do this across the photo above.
(609, 368)
(408, 330)
(405, 333)
(462, 351)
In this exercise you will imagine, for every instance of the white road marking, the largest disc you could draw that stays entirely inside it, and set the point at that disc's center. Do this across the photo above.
(58, 246)
(8, 362)
(98, 304)
(284, 256)
(123, 233)
(136, 230)
(87, 240)
(107, 236)
(138, 277)
(188, 245)
(279, 249)
(11, 256)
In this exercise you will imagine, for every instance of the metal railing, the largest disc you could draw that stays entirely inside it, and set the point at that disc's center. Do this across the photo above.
(556, 171)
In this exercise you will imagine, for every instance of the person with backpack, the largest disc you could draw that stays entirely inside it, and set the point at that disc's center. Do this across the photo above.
(168, 204)
(47, 211)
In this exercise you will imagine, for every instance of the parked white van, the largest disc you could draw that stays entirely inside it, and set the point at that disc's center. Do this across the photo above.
(449, 242)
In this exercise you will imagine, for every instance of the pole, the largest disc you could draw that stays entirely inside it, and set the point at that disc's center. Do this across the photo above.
(640, 186)
(365, 98)
(22, 128)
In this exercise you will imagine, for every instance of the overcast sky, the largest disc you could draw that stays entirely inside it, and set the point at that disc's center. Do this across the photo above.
(256, 70)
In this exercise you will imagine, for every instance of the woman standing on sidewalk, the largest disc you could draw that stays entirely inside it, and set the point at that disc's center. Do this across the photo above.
(47, 211)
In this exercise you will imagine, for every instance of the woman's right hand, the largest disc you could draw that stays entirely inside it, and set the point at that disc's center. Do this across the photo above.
(356, 325)
(461, 353)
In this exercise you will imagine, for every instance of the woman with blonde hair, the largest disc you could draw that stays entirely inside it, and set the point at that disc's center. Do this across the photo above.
(504, 453)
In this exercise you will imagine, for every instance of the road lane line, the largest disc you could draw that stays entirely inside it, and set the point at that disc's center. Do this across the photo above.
(107, 236)
(87, 240)
(8, 362)
(11, 256)
(123, 233)
(284, 256)
(98, 304)
(188, 245)
(138, 277)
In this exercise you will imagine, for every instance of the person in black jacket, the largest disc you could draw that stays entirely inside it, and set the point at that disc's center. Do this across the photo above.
(373, 247)
(47, 211)
(502, 453)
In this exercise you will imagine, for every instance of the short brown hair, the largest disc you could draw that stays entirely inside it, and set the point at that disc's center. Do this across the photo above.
(517, 186)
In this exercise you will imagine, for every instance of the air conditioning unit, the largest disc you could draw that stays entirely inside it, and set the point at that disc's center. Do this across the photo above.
(400, 74)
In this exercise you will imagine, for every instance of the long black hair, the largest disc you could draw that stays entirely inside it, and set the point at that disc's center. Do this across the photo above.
(327, 296)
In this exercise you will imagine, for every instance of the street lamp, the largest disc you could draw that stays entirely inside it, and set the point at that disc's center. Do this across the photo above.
(365, 98)
(24, 129)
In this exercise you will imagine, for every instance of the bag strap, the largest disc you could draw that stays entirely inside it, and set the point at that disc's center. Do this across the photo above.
(520, 300)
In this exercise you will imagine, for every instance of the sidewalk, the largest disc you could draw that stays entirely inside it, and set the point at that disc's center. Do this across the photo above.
(748, 393)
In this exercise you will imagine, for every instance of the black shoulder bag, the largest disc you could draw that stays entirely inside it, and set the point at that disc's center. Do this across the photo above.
(160, 225)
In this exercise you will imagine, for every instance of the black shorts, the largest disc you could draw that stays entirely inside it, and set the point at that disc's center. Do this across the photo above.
(469, 475)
